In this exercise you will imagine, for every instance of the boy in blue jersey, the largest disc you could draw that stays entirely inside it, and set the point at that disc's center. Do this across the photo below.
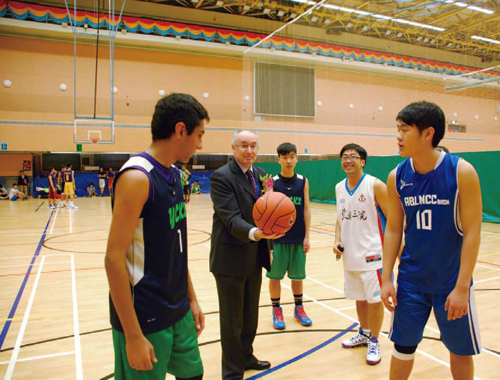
(440, 197)
(155, 314)
(289, 254)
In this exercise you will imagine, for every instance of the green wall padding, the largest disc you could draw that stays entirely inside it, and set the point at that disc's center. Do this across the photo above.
(324, 175)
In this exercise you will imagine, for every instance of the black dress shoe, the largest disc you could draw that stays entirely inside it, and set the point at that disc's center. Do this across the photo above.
(259, 365)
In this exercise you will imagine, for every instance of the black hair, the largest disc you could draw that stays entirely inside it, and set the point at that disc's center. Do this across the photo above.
(21, 171)
(175, 108)
(68, 165)
(443, 148)
(286, 148)
(361, 151)
(50, 169)
(100, 167)
(424, 115)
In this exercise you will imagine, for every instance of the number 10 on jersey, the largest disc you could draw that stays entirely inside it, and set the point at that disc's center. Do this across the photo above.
(424, 220)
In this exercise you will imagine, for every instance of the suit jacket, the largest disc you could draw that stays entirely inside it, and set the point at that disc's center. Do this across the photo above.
(232, 253)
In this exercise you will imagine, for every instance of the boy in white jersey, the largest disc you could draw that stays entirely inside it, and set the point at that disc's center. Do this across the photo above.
(358, 238)
(438, 198)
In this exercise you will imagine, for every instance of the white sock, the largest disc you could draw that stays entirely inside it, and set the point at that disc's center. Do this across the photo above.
(366, 332)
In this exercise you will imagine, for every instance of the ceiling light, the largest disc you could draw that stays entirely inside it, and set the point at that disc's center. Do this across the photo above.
(327, 21)
(365, 28)
(280, 13)
(314, 18)
(433, 41)
(194, 1)
(381, 16)
(349, 25)
(388, 33)
(293, 15)
(460, 4)
(399, 35)
(375, 15)
(247, 8)
(426, 39)
(449, 44)
(419, 38)
(457, 46)
(484, 39)
(266, 11)
(487, 11)
(219, 3)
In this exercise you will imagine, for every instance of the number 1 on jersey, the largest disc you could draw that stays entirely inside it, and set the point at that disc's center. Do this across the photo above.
(424, 220)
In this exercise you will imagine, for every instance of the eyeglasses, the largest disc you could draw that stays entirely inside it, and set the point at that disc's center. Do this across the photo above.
(245, 147)
(351, 158)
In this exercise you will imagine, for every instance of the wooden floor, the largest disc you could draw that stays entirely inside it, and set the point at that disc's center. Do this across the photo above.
(54, 301)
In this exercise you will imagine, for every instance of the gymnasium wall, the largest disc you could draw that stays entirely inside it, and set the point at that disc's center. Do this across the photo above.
(36, 116)
(324, 175)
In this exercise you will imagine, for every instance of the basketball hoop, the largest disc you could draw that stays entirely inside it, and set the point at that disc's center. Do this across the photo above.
(94, 140)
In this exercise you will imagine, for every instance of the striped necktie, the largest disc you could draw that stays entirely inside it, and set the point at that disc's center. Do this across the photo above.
(251, 179)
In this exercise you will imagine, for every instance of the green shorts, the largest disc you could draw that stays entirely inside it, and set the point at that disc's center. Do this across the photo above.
(288, 257)
(176, 349)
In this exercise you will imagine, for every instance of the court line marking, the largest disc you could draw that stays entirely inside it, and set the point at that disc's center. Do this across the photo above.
(12, 312)
(41, 357)
(489, 254)
(78, 351)
(15, 352)
(70, 220)
(23, 257)
(23, 265)
(487, 279)
(54, 222)
(387, 311)
(303, 355)
(22, 235)
(352, 319)
(487, 266)
(325, 285)
(60, 271)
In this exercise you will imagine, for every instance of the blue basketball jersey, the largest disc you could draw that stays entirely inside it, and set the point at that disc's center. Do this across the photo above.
(294, 189)
(430, 261)
(157, 257)
(54, 179)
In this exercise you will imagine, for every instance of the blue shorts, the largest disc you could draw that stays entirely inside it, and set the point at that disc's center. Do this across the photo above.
(460, 336)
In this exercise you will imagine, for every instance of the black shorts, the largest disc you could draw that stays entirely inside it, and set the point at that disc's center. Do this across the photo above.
(187, 190)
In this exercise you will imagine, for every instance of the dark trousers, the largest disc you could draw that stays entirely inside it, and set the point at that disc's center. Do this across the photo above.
(239, 315)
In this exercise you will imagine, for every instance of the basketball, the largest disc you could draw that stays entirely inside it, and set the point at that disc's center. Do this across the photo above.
(274, 213)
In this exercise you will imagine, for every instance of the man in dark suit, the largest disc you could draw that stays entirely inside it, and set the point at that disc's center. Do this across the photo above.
(238, 252)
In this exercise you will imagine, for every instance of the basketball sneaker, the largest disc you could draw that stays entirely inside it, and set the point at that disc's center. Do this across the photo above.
(278, 322)
(356, 341)
(301, 316)
(373, 353)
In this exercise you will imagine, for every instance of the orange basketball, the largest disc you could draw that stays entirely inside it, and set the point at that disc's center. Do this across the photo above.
(274, 213)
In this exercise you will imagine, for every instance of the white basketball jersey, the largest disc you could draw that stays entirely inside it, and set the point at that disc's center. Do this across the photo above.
(360, 226)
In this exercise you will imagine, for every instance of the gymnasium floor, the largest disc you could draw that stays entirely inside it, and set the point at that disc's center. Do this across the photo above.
(54, 309)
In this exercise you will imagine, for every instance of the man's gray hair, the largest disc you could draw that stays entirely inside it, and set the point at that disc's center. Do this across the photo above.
(235, 136)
